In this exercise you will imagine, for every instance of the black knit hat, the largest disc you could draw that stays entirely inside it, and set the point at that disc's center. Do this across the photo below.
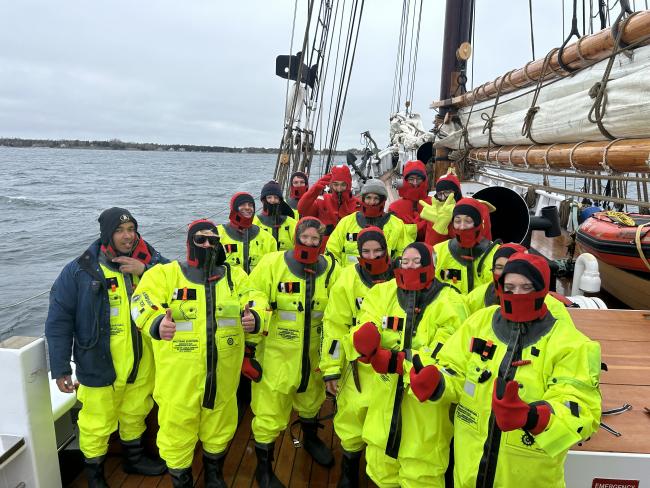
(271, 188)
(470, 211)
(301, 175)
(527, 269)
(371, 234)
(241, 198)
(110, 219)
(423, 250)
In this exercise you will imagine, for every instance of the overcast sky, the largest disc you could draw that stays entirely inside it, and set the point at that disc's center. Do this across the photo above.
(202, 71)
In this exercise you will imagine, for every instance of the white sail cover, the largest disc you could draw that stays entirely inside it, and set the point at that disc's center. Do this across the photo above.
(408, 131)
(564, 107)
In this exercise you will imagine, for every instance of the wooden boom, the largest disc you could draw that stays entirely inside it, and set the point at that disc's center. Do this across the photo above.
(620, 155)
(586, 51)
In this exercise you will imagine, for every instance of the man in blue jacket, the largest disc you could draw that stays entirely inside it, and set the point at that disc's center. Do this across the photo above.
(89, 318)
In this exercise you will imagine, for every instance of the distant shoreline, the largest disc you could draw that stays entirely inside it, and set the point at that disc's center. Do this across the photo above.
(118, 145)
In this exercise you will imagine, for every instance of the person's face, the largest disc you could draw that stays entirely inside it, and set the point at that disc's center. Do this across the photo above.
(517, 284)
(372, 250)
(371, 199)
(310, 237)
(124, 237)
(298, 181)
(205, 239)
(410, 259)
(499, 264)
(414, 180)
(443, 195)
(339, 186)
(463, 222)
(246, 209)
(272, 199)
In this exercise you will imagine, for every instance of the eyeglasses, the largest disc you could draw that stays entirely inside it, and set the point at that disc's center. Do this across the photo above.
(199, 240)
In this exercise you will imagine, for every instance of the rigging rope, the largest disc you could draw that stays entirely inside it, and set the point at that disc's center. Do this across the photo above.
(532, 35)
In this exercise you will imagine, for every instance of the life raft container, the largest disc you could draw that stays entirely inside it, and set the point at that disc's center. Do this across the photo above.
(617, 238)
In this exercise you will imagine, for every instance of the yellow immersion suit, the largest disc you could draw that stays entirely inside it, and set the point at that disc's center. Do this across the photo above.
(553, 362)
(289, 352)
(342, 243)
(244, 250)
(354, 378)
(285, 231)
(128, 400)
(197, 372)
(408, 445)
(464, 272)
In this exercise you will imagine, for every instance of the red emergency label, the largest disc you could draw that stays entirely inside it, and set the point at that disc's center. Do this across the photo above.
(611, 483)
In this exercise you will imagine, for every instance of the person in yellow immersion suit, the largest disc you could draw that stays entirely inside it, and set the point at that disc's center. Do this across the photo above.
(277, 217)
(197, 313)
(297, 284)
(243, 240)
(525, 383)
(89, 317)
(488, 293)
(464, 261)
(349, 380)
(407, 445)
(342, 242)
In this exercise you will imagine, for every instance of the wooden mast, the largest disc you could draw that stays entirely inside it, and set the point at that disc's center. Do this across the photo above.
(458, 31)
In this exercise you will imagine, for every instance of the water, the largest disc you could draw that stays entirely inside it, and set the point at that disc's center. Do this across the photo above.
(50, 200)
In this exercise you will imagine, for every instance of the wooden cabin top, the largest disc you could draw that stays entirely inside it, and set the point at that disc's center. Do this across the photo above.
(624, 337)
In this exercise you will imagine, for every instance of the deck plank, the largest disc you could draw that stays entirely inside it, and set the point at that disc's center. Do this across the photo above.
(241, 452)
(285, 454)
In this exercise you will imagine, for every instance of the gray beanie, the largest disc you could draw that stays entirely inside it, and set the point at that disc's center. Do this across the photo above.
(374, 186)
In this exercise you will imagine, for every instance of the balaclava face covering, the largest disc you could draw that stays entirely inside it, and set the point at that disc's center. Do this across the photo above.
(237, 220)
(505, 251)
(298, 191)
(109, 220)
(200, 257)
(449, 182)
(375, 266)
(417, 278)
(414, 193)
(342, 173)
(378, 188)
(274, 209)
(302, 253)
(468, 238)
(525, 307)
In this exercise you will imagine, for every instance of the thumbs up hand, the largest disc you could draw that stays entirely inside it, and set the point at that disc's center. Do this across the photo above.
(167, 327)
(248, 319)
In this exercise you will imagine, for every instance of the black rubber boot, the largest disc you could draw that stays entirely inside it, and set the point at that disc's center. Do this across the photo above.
(313, 445)
(135, 461)
(181, 478)
(264, 471)
(349, 470)
(213, 470)
(94, 470)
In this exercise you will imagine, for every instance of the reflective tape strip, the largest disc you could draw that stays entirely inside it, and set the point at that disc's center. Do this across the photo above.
(316, 314)
(469, 388)
(352, 258)
(115, 311)
(184, 326)
(335, 349)
(135, 312)
(289, 316)
(226, 322)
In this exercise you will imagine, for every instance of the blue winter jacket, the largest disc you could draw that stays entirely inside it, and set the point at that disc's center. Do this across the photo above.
(78, 320)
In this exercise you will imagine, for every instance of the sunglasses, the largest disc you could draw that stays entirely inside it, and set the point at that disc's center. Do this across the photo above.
(199, 240)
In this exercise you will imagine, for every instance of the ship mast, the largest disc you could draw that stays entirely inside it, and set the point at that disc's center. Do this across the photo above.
(455, 53)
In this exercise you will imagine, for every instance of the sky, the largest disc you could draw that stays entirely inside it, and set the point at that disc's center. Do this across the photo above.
(203, 71)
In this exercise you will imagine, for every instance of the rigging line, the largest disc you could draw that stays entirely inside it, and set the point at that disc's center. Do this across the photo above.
(393, 105)
(415, 59)
(401, 69)
(354, 50)
(293, 29)
(345, 74)
(473, 45)
(532, 34)
(331, 99)
(408, 73)
(563, 36)
(25, 300)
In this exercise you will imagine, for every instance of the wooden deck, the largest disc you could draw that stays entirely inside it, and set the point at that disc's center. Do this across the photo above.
(294, 467)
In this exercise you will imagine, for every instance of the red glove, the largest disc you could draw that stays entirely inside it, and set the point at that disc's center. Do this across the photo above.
(388, 361)
(250, 367)
(324, 181)
(366, 341)
(425, 380)
(512, 412)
